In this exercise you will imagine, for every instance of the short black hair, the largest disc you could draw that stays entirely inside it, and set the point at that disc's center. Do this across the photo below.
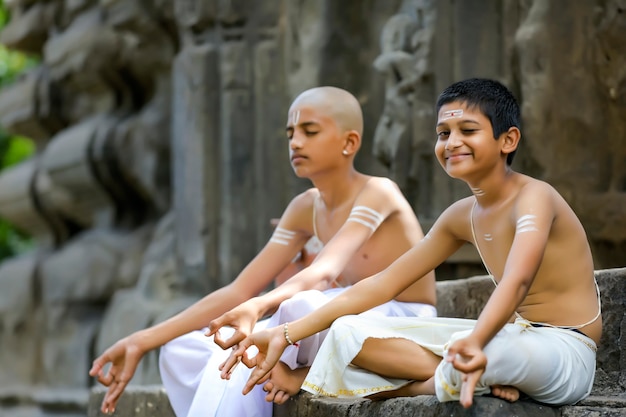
(491, 97)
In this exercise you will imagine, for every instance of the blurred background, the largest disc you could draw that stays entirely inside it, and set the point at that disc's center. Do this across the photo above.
(143, 155)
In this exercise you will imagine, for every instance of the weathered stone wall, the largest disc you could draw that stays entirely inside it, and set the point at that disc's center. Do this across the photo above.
(161, 154)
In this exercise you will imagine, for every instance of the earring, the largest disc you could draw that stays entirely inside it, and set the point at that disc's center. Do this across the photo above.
(345, 152)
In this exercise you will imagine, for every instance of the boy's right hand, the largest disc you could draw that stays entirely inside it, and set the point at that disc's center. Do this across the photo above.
(124, 357)
(271, 344)
(467, 357)
(241, 318)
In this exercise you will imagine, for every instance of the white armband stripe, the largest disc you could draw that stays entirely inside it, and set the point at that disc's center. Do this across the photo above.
(282, 236)
(375, 219)
(363, 222)
(280, 241)
(367, 210)
(366, 216)
(526, 223)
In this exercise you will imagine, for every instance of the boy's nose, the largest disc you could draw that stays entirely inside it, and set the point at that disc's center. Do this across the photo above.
(295, 142)
(454, 141)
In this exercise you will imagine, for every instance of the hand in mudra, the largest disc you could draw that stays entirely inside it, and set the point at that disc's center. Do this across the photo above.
(241, 318)
(124, 356)
(271, 344)
(468, 358)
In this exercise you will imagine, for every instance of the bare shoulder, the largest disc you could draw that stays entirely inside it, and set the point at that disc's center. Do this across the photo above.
(530, 186)
(382, 185)
(455, 220)
(383, 195)
(383, 188)
(534, 193)
(305, 198)
(460, 209)
(298, 213)
(539, 197)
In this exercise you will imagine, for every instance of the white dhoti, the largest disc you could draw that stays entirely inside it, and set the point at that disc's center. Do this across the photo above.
(550, 365)
(189, 364)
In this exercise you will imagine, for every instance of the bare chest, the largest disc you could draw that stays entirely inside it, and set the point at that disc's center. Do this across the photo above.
(493, 238)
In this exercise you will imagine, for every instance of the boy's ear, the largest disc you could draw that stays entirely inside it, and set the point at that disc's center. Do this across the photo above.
(511, 140)
(352, 142)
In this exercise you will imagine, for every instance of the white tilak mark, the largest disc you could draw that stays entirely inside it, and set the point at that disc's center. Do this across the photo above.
(295, 117)
(282, 236)
(452, 113)
(478, 191)
(488, 237)
(526, 223)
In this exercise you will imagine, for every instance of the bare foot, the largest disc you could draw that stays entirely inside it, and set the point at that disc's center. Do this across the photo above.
(284, 383)
(506, 392)
(409, 390)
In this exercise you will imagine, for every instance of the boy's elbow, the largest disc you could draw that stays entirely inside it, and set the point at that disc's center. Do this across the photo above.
(322, 278)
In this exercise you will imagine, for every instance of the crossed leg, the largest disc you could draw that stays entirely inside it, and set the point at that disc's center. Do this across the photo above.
(412, 362)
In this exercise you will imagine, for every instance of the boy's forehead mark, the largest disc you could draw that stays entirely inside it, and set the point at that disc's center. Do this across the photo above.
(295, 117)
(451, 114)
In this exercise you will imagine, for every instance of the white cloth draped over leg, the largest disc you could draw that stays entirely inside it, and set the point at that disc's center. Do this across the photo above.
(307, 301)
(550, 365)
(189, 364)
(189, 371)
(332, 373)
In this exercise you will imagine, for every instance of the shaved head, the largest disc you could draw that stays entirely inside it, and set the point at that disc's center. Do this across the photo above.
(339, 104)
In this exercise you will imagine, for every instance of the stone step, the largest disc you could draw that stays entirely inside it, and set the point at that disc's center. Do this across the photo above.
(304, 405)
(151, 401)
(27, 401)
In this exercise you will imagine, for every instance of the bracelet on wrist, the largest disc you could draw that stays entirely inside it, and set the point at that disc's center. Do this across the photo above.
(286, 333)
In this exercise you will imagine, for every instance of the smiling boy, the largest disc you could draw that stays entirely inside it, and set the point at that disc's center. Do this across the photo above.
(538, 331)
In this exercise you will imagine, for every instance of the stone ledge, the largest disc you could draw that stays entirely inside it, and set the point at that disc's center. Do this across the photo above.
(305, 405)
(137, 401)
(151, 401)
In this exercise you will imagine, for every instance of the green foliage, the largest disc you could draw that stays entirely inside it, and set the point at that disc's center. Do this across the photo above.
(4, 14)
(12, 64)
(13, 148)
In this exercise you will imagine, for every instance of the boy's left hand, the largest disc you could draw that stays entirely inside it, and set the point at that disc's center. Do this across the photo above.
(467, 357)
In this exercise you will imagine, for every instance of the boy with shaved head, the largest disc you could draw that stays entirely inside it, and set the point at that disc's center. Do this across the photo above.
(360, 225)
(539, 330)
